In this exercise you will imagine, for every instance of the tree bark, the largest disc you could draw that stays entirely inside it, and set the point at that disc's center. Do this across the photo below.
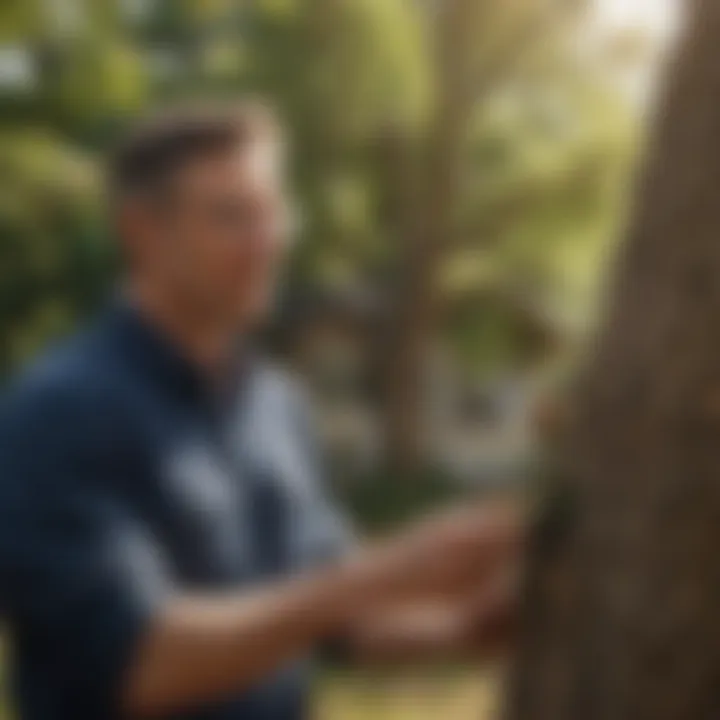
(622, 611)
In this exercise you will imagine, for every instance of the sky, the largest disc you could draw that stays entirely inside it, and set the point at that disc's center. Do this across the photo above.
(659, 18)
(658, 22)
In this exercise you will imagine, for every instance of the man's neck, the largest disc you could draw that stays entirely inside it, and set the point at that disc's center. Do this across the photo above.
(207, 342)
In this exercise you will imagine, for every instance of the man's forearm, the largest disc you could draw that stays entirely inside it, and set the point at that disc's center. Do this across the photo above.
(201, 648)
(204, 648)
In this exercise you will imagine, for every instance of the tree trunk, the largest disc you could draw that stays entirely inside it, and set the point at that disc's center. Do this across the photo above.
(428, 234)
(622, 618)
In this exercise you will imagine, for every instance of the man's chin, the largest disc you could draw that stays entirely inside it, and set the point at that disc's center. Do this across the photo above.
(249, 316)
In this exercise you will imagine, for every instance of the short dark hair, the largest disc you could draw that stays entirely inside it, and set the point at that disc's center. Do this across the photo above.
(155, 149)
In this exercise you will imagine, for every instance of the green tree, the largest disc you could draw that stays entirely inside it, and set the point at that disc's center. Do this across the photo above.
(453, 156)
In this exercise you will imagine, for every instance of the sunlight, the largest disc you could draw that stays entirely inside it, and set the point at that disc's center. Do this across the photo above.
(657, 18)
(645, 28)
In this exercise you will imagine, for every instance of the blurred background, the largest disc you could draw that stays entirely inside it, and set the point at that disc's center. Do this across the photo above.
(460, 168)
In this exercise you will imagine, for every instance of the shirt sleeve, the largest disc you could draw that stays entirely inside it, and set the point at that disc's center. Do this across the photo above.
(80, 576)
(327, 532)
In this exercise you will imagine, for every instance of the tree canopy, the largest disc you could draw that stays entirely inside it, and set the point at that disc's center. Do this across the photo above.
(543, 145)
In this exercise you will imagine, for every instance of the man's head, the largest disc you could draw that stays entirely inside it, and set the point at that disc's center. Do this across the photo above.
(198, 199)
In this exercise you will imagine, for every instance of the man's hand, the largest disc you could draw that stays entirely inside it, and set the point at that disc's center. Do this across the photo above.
(441, 557)
(448, 590)
(478, 627)
(490, 619)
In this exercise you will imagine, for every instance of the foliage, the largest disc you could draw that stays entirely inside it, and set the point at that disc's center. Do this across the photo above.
(542, 171)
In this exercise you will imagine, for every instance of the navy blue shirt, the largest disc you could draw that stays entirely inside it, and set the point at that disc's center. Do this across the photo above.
(124, 479)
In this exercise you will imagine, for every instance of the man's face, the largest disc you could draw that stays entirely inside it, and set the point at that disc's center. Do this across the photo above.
(217, 242)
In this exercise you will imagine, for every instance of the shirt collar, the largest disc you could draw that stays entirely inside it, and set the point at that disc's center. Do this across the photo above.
(167, 362)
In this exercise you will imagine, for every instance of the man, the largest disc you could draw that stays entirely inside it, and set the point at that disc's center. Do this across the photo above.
(165, 546)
